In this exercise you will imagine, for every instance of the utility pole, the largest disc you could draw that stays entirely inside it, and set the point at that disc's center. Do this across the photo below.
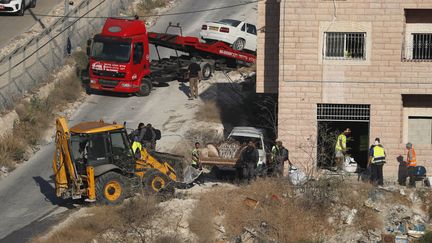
(66, 24)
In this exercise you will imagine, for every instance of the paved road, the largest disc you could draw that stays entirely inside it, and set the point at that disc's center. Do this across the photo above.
(27, 195)
(12, 26)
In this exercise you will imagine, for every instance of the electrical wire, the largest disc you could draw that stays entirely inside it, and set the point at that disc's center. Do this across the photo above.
(154, 15)
(51, 39)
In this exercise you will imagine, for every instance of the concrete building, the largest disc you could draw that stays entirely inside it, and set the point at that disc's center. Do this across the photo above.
(363, 64)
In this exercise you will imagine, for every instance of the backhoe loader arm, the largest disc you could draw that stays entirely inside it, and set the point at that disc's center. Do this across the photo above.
(64, 169)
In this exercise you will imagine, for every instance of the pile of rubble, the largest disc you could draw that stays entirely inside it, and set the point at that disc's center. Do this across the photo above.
(367, 214)
(400, 211)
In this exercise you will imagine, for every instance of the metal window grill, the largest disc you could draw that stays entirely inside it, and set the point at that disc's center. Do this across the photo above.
(422, 46)
(343, 112)
(345, 45)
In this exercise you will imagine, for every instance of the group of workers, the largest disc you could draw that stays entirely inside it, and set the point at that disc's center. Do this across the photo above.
(247, 165)
(144, 136)
(377, 159)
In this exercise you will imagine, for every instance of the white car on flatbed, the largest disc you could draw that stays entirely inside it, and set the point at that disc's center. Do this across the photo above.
(239, 34)
(16, 6)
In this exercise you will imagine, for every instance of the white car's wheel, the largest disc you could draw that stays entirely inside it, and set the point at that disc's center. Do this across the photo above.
(239, 44)
(21, 10)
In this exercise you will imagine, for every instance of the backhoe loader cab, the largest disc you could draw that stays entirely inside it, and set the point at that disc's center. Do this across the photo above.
(94, 160)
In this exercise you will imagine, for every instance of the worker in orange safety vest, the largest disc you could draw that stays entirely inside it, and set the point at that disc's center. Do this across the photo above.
(411, 163)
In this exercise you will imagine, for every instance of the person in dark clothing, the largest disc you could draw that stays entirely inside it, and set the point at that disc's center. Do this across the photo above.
(376, 161)
(248, 162)
(149, 138)
(194, 72)
(402, 171)
(138, 133)
(279, 154)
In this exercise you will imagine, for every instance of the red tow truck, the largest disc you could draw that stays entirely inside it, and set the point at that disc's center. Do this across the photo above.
(119, 57)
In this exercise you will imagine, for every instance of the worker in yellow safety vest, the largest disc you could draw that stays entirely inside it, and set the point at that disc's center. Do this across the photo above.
(411, 162)
(136, 147)
(196, 152)
(376, 161)
(341, 148)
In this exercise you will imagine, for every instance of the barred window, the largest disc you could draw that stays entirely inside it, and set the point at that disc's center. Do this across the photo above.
(422, 46)
(345, 45)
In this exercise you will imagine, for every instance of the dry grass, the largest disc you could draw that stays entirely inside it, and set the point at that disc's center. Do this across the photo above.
(34, 118)
(127, 222)
(147, 7)
(290, 214)
(85, 228)
(280, 213)
(201, 222)
(208, 112)
(166, 239)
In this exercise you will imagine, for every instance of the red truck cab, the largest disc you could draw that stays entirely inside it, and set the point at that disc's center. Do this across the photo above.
(119, 58)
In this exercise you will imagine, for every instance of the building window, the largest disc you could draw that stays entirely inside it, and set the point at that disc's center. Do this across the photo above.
(343, 112)
(417, 118)
(420, 130)
(345, 45)
(422, 46)
(418, 35)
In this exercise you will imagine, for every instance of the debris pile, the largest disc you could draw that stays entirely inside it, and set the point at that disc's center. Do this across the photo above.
(341, 210)
(229, 149)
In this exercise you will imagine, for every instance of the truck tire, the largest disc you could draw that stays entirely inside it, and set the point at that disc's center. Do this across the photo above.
(215, 172)
(239, 44)
(206, 71)
(110, 188)
(33, 4)
(145, 88)
(155, 182)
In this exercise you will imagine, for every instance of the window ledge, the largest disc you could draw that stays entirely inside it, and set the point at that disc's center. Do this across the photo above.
(345, 61)
(416, 60)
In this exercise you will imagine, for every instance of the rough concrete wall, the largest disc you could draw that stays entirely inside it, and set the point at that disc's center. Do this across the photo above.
(268, 46)
(20, 76)
(305, 79)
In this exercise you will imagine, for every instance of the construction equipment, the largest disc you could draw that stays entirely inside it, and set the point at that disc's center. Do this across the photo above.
(119, 57)
(95, 161)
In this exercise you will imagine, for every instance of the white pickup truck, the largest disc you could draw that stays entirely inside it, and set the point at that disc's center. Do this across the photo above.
(16, 6)
(227, 153)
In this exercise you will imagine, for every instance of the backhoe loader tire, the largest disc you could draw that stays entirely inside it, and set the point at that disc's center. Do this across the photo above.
(155, 182)
(110, 188)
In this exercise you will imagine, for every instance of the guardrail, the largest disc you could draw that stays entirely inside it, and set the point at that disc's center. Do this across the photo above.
(29, 65)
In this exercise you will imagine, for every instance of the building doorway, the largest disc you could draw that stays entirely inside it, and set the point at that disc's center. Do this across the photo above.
(332, 120)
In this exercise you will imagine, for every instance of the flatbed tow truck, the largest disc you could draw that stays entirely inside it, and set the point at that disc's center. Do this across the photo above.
(119, 57)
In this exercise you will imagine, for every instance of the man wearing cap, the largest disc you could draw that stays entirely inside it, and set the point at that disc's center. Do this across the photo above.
(411, 162)
(194, 72)
(376, 162)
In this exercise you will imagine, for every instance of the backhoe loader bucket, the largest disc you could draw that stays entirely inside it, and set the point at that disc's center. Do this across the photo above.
(190, 174)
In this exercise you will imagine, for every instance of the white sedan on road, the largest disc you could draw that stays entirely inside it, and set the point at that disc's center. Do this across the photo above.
(238, 34)
(16, 6)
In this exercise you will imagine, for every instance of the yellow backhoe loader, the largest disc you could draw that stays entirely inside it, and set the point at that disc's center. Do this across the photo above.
(95, 161)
